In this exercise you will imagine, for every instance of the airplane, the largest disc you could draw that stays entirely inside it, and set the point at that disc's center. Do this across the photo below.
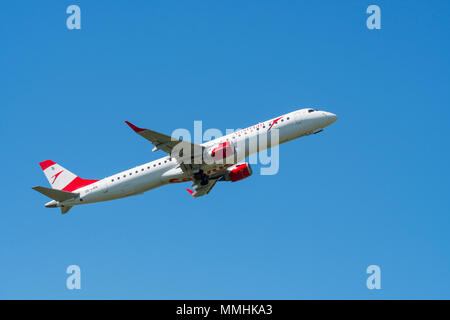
(204, 164)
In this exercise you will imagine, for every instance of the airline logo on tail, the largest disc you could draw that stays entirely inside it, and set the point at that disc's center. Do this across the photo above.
(63, 179)
(56, 176)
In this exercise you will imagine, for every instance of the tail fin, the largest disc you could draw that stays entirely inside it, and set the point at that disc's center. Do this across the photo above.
(61, 178)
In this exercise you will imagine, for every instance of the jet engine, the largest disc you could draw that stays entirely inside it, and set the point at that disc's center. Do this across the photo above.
(238, 172)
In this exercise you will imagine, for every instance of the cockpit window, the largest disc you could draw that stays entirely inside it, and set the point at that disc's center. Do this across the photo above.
(311, 110)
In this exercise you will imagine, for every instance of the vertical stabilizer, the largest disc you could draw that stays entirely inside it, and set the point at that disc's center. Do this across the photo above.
(61, 178)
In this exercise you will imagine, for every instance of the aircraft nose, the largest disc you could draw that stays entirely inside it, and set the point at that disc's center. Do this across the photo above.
(330, 118)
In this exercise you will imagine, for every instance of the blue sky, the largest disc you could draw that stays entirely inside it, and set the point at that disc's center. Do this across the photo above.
(371, 189)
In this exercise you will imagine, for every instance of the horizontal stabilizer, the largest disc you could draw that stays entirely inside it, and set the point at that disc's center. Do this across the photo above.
(55, 194)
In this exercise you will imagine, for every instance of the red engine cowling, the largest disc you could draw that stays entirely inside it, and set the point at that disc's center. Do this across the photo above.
(223, 151)
(239, 172)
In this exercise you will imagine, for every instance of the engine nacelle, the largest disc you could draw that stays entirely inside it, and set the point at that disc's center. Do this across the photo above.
(238, 172)
(222, 151)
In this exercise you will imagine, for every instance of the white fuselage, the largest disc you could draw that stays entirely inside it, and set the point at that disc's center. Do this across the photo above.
(166, 170)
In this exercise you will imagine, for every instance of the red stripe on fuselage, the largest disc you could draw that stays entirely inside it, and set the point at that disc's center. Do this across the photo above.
(78, 183)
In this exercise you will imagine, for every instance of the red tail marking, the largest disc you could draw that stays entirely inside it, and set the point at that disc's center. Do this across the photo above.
(56, 176)
(78, 183)
(45, 164)
(191, 192)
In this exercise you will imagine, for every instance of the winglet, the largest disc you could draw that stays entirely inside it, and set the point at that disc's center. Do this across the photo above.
(135, 129)
(191, 192)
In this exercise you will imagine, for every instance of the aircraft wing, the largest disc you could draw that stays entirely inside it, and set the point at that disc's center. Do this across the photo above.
(167, 143)
(202, 190)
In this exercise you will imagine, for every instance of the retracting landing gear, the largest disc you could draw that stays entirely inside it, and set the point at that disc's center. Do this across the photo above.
(202, 177)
